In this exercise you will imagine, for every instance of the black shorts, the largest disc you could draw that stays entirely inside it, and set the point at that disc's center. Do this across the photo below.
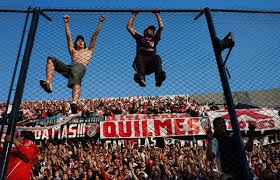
(73, 72)
(147, 64)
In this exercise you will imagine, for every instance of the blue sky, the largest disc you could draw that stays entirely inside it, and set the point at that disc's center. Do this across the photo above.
(185, 47)
(166, 4)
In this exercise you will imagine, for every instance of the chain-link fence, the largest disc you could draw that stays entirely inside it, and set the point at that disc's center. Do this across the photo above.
(12, 34)
(113, 106)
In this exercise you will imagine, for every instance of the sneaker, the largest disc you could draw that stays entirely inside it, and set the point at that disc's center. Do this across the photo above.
(73, 107)
(136, 78)
(163, 76)
(142, 82)
(47, 86)
(161, 79)
(158, 83)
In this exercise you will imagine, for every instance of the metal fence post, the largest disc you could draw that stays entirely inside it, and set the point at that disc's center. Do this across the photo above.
(227, 93)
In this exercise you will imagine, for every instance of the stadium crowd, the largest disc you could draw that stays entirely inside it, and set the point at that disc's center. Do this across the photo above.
(86, 160)
(110, 106)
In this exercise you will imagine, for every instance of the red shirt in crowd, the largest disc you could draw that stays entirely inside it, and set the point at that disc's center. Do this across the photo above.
(22, 159)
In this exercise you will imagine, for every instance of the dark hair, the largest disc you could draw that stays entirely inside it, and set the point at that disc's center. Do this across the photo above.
(217, 119)
(77, 38)
(152, 27)
(28, 135)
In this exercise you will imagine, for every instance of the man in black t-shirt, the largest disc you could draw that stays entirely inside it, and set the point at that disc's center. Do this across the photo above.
(147, 61)
(223, 146)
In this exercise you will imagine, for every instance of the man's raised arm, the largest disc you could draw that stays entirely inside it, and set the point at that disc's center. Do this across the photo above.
(129, 26)
(160, 23)
(209, 151)
(95, 34)
(250, 144)
(68, 34)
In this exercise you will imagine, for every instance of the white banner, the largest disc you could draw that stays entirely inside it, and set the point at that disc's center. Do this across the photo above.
(166, 125)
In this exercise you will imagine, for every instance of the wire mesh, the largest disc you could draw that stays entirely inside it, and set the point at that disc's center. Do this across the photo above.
(110, 73)
(112, 106)
(10, 44)
(110, 70)
(252, 65)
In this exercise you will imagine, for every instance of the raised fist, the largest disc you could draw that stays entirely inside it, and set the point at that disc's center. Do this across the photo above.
(209, 134)
(102, 18)
(156, 12)
(66, 18)
(134, 12)
(252, 127)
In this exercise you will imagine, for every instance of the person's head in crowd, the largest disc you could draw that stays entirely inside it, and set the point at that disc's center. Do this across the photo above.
(126, 171)
(64, 168)
(56, 174)
(219, 125)
(143, 176)
(76, 173)
(65, 176)
(69, 171)
(27, 135)
(155, 174)
(189, 168)
(142, 166)
(116, 171)
(89, 173)
(137, 171)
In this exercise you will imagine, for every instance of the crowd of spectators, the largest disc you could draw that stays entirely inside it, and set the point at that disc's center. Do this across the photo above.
(264, 161)
(81, 159)
(111, 106)
(86, 160)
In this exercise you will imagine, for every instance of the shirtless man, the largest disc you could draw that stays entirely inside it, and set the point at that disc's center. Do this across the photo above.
(80, 57)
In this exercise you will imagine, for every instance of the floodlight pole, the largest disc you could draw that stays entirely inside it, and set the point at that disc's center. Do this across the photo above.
(12, 119)
(227, 94)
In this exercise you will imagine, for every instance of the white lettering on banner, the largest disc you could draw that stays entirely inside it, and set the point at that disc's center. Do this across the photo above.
(62, 132)
(263, 119)
(72, 132)
(58, 132)
(270, 139)
(78, 130)
(45, 134)
(81, 130)
(54, 130)
(37, 134)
